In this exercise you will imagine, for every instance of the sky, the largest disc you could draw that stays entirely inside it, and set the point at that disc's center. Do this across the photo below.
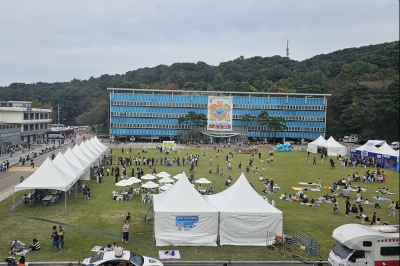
(57, 41)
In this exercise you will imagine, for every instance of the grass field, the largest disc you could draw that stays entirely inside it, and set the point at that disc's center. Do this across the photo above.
(106, 215)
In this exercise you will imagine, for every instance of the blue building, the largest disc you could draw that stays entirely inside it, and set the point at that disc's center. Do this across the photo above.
(152, 115)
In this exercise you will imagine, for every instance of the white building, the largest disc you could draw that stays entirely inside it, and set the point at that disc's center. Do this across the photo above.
(32, 122)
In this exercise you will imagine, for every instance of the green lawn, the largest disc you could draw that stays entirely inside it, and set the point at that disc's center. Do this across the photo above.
(103, 214)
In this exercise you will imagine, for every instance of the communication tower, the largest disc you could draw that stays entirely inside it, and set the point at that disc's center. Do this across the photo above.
(287, 48)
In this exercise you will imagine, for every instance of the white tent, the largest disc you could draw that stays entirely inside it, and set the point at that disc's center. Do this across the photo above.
(92, 148)
(78, 162)
(61, 162)
(81, 155)
(369, 146)
(333, 147)
(385, 149)
(313, 146)
(246, 219)
(88, 152)
(97, 146)
(182, 217)
(48, 176)
(99, 143)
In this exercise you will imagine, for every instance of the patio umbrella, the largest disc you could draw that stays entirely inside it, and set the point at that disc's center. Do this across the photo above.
(150, 184)
(148, 177)
(203, 181)
(135, 180)
(124, 183)
(179, 176)
(166, 180)
(163, 174)
(166, 187)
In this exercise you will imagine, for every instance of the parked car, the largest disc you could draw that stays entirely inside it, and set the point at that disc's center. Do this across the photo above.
(395, 145)
(118, 256)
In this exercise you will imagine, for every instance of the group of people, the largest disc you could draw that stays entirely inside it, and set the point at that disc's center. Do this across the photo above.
(58, 237)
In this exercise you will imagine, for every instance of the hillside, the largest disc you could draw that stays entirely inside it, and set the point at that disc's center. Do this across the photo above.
(364, 83)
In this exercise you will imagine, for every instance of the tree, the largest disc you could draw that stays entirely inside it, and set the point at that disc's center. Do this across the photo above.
(264, 118)
(246, 119)
(277, 123)
(36, 104)
(194, 120)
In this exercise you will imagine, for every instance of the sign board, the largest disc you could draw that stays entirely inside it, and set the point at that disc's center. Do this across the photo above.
(186, 223)
(219, 114)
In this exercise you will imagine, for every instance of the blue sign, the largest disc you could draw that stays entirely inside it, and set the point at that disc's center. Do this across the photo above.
(186, 223)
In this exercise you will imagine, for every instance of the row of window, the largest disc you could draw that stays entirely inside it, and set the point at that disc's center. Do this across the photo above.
(36, 116)
(204, 105)
(236, 117)
(183, 127)
(31, 127)
(9, 134)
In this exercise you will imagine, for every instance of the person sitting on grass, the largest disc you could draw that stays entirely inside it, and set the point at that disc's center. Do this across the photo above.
(336, 208)
(35, 245)
(354, 209)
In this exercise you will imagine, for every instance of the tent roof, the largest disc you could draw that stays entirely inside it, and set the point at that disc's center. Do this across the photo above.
(370, 145)
(88, 152)
(331, 142)
(182, 198)
(47, 176)
(61, 162)
(99, 142)
(241, 197)
(386, 149)
(81, 155)
(318, 141)
(75, 160)
(92, 148)
(96, 146)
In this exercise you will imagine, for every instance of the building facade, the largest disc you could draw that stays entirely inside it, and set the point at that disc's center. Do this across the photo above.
(153, 114)
(28, 124)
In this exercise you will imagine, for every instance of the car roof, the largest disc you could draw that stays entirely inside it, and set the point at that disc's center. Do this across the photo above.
(111, 255)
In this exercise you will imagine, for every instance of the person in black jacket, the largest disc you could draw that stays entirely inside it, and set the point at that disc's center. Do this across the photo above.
(35, 245)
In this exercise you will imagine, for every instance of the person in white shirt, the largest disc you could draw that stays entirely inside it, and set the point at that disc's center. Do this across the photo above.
(261, 178)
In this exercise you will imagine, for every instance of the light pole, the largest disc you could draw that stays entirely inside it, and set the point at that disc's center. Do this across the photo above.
(58, 117)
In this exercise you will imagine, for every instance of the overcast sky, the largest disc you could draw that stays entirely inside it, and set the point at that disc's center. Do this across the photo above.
(52, 41)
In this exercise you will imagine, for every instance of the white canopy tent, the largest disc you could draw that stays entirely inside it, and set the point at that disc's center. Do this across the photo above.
(77, 162)
(313, 146)
(246, 219)
(81, 155)
(99, 143)
(61, 162)
(97, 146)
(370, 146)
(182, 217)
(333, 147)
(48, 176)
(93, 149)
(88, 152)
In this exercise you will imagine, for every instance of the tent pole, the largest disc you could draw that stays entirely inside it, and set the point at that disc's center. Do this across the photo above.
(66, 194)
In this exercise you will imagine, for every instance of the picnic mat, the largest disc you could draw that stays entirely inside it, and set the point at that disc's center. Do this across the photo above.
(169, 255)
(97, 248)
(355, 189)
(381, 198)
(304, 188)
(308, 183)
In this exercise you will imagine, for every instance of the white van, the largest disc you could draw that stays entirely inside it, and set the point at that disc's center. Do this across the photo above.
(365, 245)
(346, 139)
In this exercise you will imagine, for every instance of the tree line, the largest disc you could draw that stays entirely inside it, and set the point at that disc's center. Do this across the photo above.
(363, 81)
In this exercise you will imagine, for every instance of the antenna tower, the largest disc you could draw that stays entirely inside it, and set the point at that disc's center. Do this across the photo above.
(287, 48)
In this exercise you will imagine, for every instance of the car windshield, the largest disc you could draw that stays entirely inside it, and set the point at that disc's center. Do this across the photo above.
(137, 259)
(341, 250)
(97, 257)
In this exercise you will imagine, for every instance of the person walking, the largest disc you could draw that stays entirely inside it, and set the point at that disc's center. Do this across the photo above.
(314, 161)
(125, 232)
(392, 209)
(377, 202)
(373, 218)
(319, 183)
(348, 206)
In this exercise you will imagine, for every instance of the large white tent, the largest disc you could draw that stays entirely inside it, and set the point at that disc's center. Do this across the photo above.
(92, 148)
(246, 219)
(182, 217)
(333, 147)
(97, 147)
(81, 155)
(48, 176)
(370, 146)
(99, 143)
(313, 146)
(61, 162)
(88, 152)
(78, 162)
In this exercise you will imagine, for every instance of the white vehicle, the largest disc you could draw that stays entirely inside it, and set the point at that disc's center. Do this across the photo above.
(395, 145)
(118, 256)
(365, 245)
(346, 139)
